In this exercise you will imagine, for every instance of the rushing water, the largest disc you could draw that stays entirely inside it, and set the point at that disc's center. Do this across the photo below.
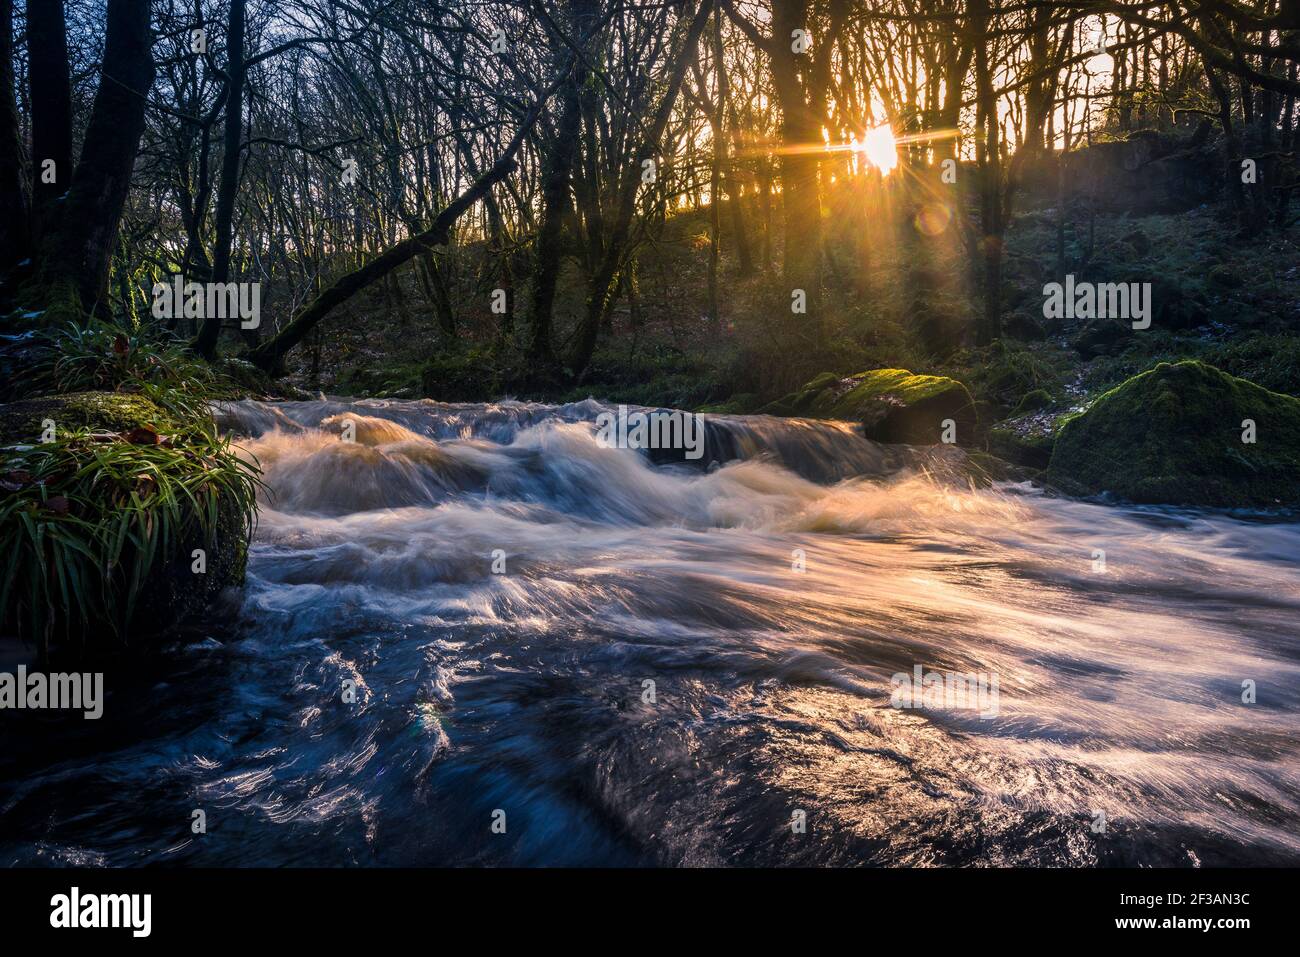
(769, 598)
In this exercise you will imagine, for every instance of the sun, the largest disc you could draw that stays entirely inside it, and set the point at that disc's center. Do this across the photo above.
(880, 148)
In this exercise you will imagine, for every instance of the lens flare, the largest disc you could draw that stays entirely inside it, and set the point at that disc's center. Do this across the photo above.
(880, 148)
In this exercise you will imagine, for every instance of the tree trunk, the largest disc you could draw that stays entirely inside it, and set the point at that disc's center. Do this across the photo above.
(555, 205)
(800, 136)
(602, 288)
(51, 100)
(74, 277)
(228, 186)
(15, 238)
(990, 166)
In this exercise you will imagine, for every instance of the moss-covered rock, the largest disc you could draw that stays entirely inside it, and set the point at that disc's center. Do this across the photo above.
(1032, 402)
(1176, 434)
(24, 422)
(801, 402)
(123, 494)
(893, 405)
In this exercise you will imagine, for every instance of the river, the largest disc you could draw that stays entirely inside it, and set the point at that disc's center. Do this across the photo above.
(475, 634)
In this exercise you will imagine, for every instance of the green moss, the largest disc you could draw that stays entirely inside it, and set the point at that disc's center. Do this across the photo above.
(54, 304)
(1174, 434)
(1032, 402)
(24, 422)
(1026, 439)
(801, 402)
(469, 375)
(741, 404)
(869, 387)
(893, 405)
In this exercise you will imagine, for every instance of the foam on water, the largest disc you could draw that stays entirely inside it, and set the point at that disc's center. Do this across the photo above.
(1120, 689)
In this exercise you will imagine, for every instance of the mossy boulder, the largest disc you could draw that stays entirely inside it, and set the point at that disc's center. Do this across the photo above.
(893, 405)
(1178, 434)
(24, 422)
(802, 401)
(117, 458)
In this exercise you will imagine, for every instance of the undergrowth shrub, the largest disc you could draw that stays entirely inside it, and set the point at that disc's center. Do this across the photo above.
(95, 522)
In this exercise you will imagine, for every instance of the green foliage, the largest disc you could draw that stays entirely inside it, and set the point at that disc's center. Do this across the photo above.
(97, 526)
(1003, 374)
(88, 519)
(462, 375)
(662, 378)
(1174, 435)
(1270, 361)
(102, 357)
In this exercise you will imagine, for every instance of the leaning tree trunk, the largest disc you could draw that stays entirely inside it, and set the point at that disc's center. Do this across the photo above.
(271, 353)
(76, 256)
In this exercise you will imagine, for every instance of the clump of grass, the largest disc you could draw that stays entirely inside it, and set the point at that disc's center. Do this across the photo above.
(98, 356)
(97, 526)
(87, 519)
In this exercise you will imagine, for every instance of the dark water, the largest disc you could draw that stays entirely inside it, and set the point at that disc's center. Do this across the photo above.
(769, 600)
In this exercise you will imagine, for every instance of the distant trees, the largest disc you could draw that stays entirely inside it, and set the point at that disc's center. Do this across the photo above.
(324, 146)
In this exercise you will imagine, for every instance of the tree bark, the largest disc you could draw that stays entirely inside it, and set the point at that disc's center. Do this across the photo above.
(50, 88)
(206, 342)
(74, 277)
(602, 288)
(557, 179)
(15, 238)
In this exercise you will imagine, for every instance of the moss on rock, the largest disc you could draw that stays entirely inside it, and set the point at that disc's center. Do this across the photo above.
(893, 405)
(1174, 435)
(23, 422)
